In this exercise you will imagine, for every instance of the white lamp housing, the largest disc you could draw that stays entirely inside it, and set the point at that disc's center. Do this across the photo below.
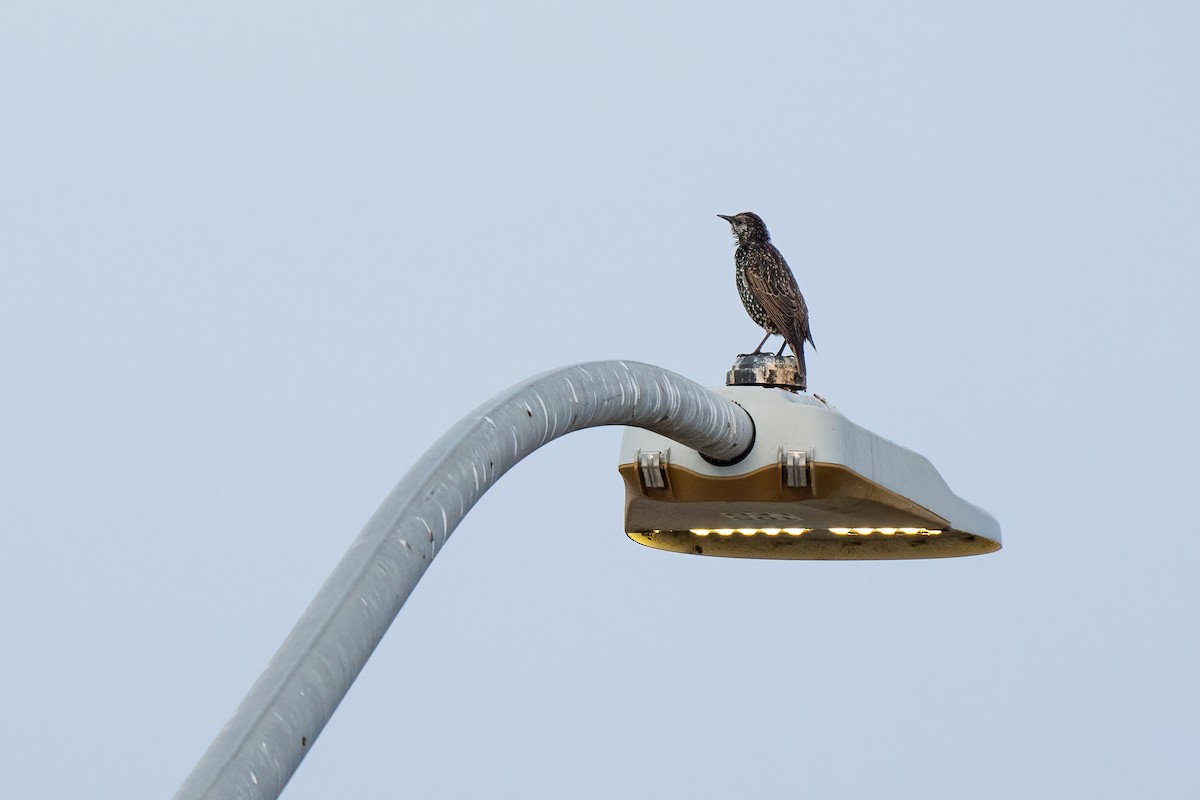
(813, 486)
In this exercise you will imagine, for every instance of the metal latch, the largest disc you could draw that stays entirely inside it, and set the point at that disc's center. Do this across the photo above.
(795, 468)
(653, 466)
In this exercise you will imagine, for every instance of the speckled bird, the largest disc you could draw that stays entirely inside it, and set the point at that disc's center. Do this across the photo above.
(767, 287)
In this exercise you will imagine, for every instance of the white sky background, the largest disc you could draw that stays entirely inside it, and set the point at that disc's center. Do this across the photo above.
(253, 261)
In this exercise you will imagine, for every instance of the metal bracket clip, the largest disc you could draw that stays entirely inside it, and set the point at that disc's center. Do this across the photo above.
(652, 464)
(795, 468)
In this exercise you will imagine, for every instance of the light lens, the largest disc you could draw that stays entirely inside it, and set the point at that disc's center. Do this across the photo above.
(749, 531)
(802, 531)
(884, 531)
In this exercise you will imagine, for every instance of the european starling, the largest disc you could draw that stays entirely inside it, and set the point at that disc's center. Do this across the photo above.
(767, 287)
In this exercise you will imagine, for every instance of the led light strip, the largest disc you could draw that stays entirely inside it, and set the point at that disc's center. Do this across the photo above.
(751, 531)
(802, 531)
(883, 531)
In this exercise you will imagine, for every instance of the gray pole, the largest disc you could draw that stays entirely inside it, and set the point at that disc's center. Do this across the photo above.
(256, 753)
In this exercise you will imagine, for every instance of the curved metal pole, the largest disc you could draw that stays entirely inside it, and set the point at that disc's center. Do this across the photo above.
(256, 753)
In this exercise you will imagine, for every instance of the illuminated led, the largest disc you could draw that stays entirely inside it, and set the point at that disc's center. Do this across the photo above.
(802, 531)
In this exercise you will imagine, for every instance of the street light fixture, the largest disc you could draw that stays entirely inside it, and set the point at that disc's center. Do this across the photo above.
(813, 486)
(740, 471)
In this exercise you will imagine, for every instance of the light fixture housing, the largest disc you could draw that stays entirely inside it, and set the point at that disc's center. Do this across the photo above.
(813, 486)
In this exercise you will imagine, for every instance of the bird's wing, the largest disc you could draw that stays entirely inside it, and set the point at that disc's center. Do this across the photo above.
(776, 291)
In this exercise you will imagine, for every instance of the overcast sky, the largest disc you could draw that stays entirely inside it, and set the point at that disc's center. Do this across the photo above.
(256, 258)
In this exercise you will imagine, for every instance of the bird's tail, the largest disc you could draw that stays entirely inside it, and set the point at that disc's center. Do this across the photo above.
(802, 368)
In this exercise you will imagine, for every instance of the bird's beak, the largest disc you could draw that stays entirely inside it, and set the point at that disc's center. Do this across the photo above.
(727, 219)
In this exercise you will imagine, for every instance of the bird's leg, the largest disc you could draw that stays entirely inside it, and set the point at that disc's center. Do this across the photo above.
(780, 353)
(760, 344)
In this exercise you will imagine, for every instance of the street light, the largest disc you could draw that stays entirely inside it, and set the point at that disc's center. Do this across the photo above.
(813, 486)
(279, 720)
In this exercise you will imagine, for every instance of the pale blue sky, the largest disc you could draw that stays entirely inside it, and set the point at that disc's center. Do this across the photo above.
(255, 258)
